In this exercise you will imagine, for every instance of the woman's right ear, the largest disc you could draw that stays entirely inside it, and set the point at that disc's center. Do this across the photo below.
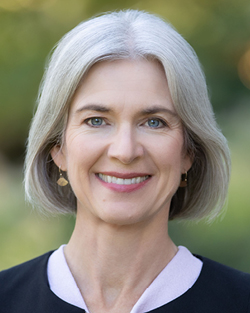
(58, 157)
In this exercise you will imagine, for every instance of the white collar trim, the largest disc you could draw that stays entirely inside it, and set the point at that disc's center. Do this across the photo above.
(175, 279)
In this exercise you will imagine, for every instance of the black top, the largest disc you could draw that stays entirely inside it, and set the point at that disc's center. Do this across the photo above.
(219, 289)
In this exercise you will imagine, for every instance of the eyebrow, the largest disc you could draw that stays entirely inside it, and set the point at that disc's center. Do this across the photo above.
(93, 107)
(158, 109)
(147, 111)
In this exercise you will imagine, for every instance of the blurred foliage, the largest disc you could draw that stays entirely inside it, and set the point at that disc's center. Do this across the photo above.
(219, 31)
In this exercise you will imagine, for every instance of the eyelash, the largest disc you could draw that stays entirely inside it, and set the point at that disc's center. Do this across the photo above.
(162, 123)
(88, 120)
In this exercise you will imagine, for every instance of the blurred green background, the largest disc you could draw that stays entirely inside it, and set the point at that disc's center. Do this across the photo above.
(218, 30)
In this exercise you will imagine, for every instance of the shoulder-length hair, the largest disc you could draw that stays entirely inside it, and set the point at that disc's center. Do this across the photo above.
(128, 35)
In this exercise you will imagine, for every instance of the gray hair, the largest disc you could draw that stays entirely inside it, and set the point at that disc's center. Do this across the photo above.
(128, 34)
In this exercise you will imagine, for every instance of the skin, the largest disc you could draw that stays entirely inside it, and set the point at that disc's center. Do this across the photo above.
(122, 123)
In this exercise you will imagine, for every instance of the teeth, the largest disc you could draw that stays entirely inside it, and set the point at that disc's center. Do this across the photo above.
(121, 181)
(137, 180)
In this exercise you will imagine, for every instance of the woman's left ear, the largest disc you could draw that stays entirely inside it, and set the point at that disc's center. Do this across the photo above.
(187, 164)
(58, 157)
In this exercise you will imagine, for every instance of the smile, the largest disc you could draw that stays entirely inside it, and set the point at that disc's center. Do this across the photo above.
(122, 181)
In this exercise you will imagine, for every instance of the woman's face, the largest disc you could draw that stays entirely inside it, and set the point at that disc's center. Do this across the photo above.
(123, 149)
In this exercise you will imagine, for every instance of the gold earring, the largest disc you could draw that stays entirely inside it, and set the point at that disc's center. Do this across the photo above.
(62, 181)
(184, 180)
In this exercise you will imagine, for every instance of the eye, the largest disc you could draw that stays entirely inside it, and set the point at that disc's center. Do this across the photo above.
(95, 121)
(155, 123)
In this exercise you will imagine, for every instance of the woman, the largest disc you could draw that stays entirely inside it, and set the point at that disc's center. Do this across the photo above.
(124, 136)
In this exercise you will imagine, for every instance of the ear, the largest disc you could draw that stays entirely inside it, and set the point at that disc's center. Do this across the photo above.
(187, 163)
(58, 156)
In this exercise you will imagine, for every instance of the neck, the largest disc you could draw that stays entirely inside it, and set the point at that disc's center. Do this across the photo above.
(113, 262)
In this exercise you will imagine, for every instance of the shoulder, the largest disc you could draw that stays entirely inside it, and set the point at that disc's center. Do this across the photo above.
(25, 271)
(19, 282)
(216, 273)
(218, 288)
(25, 288)
(221, 288)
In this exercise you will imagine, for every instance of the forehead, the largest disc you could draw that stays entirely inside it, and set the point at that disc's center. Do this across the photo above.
(140, 81)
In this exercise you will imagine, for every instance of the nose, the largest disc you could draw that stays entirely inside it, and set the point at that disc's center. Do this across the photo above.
(125, 146)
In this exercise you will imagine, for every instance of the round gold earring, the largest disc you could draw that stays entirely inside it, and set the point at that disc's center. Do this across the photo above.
(62, 181)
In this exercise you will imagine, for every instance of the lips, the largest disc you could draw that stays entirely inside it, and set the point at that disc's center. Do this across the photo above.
(122, 181)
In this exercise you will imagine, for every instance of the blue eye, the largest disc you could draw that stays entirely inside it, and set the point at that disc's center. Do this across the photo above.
(95, 121)
(154, 123)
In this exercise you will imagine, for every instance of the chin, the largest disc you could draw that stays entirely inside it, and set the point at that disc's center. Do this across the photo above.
(121, 218)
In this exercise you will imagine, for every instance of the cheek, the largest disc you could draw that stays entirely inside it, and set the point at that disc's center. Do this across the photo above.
(82, 152)
(168, 151)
